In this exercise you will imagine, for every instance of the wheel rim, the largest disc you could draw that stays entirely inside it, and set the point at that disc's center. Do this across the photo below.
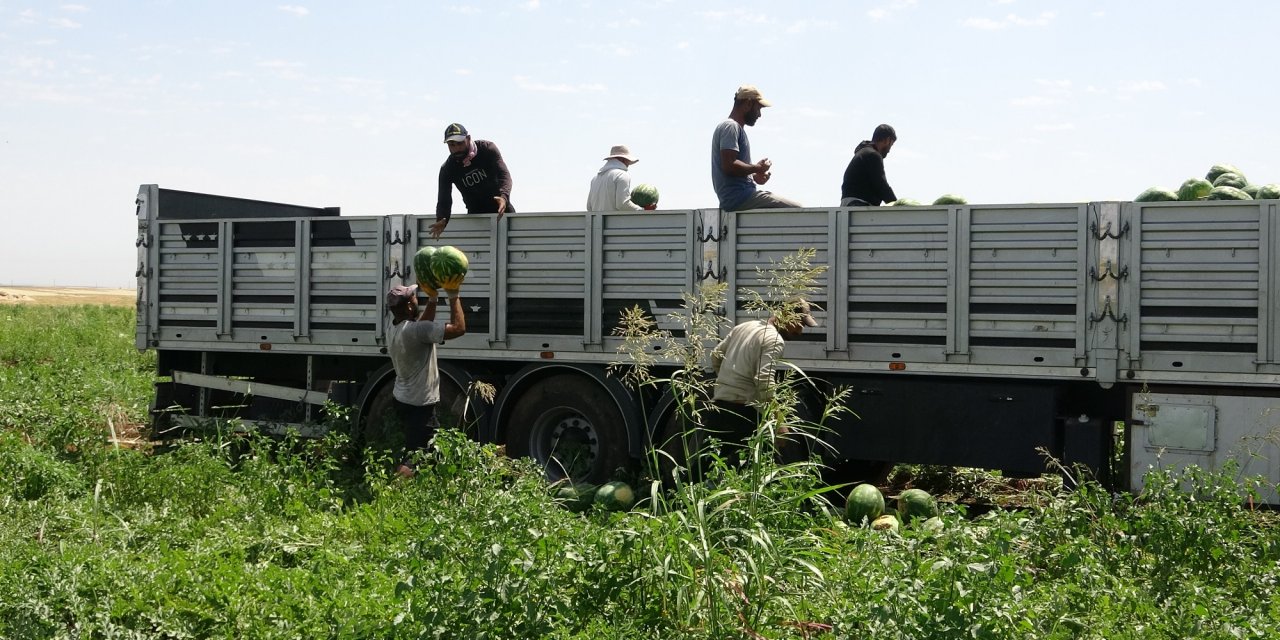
(565, 442)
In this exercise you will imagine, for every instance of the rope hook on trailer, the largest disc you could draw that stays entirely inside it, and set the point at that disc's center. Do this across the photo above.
(711, 234)
(141, 271)
(710, 272)
(144, 240)
(1106, 232)
(1108, 312)
(1108, 273)
(396, 240)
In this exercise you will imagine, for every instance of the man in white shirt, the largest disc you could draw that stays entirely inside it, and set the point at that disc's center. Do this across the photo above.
(411, 343)
(744, 364)
(611, 188)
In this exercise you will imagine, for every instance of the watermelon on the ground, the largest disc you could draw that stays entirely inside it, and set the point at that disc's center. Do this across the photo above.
(422, 268)
(615, 496)
(916, 503)
(865, 504)
(1219, 169)
(644, 195)
(1156, 194)
(1268, 192)
(449, 267)
(1194, 189)
(575, 497)
(905, 202)
(950, 198)
(886, 523)
(932, 525)
(1228, 193)
(1231, 180)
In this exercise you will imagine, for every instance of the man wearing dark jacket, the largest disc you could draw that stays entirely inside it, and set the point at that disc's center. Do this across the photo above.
(864, 181)
(477, 170)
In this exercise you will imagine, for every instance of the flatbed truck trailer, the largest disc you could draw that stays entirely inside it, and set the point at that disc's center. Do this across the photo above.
(969, 335)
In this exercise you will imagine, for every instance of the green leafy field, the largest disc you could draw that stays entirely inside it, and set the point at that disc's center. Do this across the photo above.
(243, 537)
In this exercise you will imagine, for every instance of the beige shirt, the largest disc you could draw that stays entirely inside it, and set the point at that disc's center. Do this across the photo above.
(744, 362)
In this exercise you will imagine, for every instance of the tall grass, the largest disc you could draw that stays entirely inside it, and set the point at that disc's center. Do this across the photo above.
(240, 536)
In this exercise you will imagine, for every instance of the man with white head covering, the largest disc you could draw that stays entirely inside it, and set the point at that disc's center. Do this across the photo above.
(744, 363)
(611, 188)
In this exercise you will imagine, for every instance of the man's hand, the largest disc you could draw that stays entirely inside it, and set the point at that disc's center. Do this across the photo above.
(652, 207)
(502, 205)
(761, 175)
(438, 228)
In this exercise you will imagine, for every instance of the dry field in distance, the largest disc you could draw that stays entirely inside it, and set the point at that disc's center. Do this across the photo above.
(67, 296)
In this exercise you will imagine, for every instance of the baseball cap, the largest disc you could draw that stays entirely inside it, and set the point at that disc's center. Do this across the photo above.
(455, 133)
(750, 92)
(400, 295)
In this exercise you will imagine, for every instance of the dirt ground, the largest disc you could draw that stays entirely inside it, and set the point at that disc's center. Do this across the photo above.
(66, 295)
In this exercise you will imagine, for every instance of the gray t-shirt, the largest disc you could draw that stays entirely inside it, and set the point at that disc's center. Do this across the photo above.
(412, 347)
(731, 190)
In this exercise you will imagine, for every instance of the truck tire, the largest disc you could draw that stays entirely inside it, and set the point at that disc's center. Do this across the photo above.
(677, 441)
(572, 427)
(379, 426)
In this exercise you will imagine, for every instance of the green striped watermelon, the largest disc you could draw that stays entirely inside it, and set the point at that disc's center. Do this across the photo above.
(422, 268)
(449, 267)
(644, 195)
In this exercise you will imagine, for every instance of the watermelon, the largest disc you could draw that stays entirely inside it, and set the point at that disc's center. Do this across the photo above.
(866, 503)
(575, 497)
(950, 198)
(1231, 180)
(932, 525)
(885, 523)
(916, 503)
(1252, 190)
(449, 267)
(1268, 192)
(1156, 194)
(905, 202)
(644, 195)
(1219, 169)
(422, 268)
(1228, 193)
(1194, 189)
(615, 496)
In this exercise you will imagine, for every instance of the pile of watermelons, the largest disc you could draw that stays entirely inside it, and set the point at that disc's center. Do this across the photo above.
(1222, 182)
(610, 496)
(443, 268)
(915, 507)
(944, 199)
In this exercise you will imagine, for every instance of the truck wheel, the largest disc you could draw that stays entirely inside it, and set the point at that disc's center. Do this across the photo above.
(572, 427)
(679, 445)
(380, 426)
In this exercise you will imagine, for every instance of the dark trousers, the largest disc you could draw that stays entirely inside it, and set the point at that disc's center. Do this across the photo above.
(419, 424)
(732, 424)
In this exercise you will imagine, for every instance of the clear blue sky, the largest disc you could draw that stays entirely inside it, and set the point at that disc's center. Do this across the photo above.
(344, 103)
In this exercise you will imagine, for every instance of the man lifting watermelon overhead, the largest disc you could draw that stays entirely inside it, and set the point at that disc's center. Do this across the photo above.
(476, 168)
(411, 343)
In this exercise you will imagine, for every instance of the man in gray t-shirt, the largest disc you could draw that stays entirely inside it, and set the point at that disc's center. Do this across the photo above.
(411, 343)
(733, 174)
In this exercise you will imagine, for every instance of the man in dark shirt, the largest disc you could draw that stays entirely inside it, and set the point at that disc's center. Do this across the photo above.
(477, 170)
(864, 181)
